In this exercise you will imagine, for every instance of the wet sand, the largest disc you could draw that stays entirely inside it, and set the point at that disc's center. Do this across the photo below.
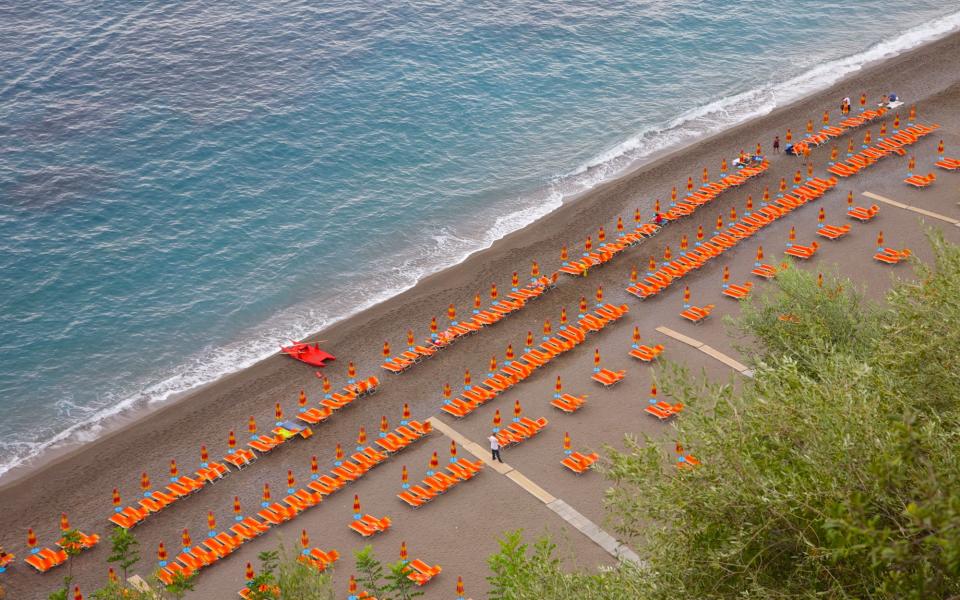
(459, 530)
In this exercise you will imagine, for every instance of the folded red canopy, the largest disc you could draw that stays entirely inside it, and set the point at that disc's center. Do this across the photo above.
(310, 354)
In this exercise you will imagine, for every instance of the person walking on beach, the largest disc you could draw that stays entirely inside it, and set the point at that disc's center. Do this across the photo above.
(494, 448)
(776, 144)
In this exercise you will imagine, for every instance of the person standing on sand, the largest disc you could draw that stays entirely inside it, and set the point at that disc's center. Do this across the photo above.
(494, 448)
(776, 144)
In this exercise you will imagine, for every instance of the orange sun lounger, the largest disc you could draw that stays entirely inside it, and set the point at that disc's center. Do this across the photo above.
(921, 181)
(802, 252)
(368, 525)
(833, 232)
(607, 378)
(663, 410)
(646, 353)
(568, 403)
(319, 559)
(766, 271)
(580, 463)
(738, 292)
(696, 314)
(891, 256)
(5, 559)
(128, 517)
(863, 214)
(240, 458)
(950, 164)
(420, 572)
(45, 559)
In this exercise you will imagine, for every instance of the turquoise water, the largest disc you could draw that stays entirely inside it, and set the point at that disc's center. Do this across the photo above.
(185, 185)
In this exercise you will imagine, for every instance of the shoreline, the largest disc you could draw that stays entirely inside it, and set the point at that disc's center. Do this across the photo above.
(116, 424)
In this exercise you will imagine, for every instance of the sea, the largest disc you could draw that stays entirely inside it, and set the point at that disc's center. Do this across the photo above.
(184, 186)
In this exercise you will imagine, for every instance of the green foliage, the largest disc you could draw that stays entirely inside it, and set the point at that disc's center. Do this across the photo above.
(282, 576)
(524, 573)
(389, 584)
(124, 551)
(832, 473)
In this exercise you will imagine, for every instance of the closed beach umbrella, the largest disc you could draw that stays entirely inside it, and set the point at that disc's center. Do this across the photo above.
(850, 146)
(566, 442)
(652, 266)
(821, 216)
(940, 148)
(356, 504)
(726, 273)
(633, 274)
(678, 447)
(759, 253)
(758, 152)
(76, 593)
(304, 539)
(493, 364)
(466, 378)
(404, 477)
(434, 460)
(689, 184)
(588, 244)
(810, 126)
(793, 234)
(850, 198)
(266, 493)
(563, 253)
(834, 152)
(683, 242)
(766, 193)
(386, 349)
(826, 117)
(896, 121)
(529, 339)
(601, 235)
(559, 386)
(749, 203)
(453, 449)
(403, 551)
(460, 591)
(252, 425)
(563, 315)
(116, 498)
(493, 288)
(351, 370)
(433, 324)
(384, 424)
(64, 522)
(546, 328)
(302, 399)
(863, 99)
(515, 278)
(406, 411)
(880, 239)
(600, 294)
(723, 165)
(516, 409)
(314, 465)
(476, 301)
(452, 312)
(666, 253)
(686, 295)
(362, 436)
(291, 481)
(733, 214)
(883, 128)
(352, 586)
(249, 573)
(510, 354)
(144, 482)
(636, 215)
(496, 418)
(446, 390)
(809, 169)
(636, 335)
(185, 540)
(339, 452)
(535, 269)
(706, 175)
(699, 233)
(111, 575)
(620, 219)
(719, 222)
(797, 177)
(31, 538)
(231, 440)
(866, 138)
(788, 136)
(173, 469)
(162, 554)
(653, 392)
(278, 411)
(596, 357)
(911, 163)
(326, 385)
(410, 339)
(236, 506)
(656, 206)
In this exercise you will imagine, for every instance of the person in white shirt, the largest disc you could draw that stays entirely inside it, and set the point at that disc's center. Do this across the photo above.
(494, 448)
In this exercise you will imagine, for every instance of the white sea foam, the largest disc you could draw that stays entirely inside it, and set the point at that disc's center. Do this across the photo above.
(449, 248)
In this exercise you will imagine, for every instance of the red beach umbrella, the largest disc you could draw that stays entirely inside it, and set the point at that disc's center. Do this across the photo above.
(559, 386)
(352, 586)
(466, 378)
(304, 539)
(563, 253)
(516, 409)
(726, 273)
(185, 540)
(653, 392)
(733, 214)
(883, 128)
(636, 216)
(686, 294)
(636, 335)
(326, 385)
(496, 418)
(850, 198)
(252, 425)
(596, 357)
(546, 327)
(410, 339)
(833, 153)
(460, 591)
(600, 294)
(633, 274)
(231, 440)
(434, 460)
(204, 456)
(719, 222)
(683, 242)
(588, 244)
(31, 538)
(667, 254)
(266, 492)
(161, 553)
(792, 236)
(699, 233)
(386, 349)
(783, 184)
(403, 551)
(173, 469)
(250, 574)
(493, 291)
(76, 593)
(452, 312)
(384, 424)
(314, 465)
(850, 147)
(291, 482)
(689, 184)
(896, 121)
(601, 235)
(911, 163)
(620, 219)
(706, 175)
(406, 411)
(362, 436)
(749, 203)
(433, 324)
(116, 498)
(566, 441)
(797, 177)
(351, 370)
(866, 138)
(493, 364)
(144, 482)
(476, 302)
(404, 477)
(236, 505)
(453, 449)
(863, 99)
(821, 216)
(515, 279)
(339, 452)
(759, 151)
(356, 504)
(510, 352)
(940, 148)
(529, 339)
(446, 390)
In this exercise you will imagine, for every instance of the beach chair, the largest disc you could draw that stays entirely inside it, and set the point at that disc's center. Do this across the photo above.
(833, 232)
(663, 410)
(5, 559)
(580, 463)
(802, 252)
(568, 403)
(687, 461)
(86, 541)
(891, 257)
(240, 458)
(420, 572)
(368, 525)
(921, 181)
(169, 574)
(128, 517)
(45, 559)
(646, 353)
(949, 164)
(738, 292)
(315, 415)
(608, 378)
(696, 314)
(863, 214)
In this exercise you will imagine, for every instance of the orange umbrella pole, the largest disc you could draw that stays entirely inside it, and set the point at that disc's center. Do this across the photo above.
(266, 495)
(361, 439)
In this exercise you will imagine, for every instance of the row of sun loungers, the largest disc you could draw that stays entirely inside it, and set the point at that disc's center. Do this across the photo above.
(520, 431)
(276, 513)
(44, 559)
(440, 482)
(498, 310)
(892, 144)
(834, 131)
(607, 251)
(567, 338)
(338, 400)
(710, 191)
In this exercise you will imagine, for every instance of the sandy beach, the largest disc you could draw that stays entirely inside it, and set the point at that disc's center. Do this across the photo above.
(460, 529)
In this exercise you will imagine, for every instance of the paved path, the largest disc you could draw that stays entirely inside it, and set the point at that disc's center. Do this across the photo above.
(565, 511)
(921, 211)
(708, 350)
